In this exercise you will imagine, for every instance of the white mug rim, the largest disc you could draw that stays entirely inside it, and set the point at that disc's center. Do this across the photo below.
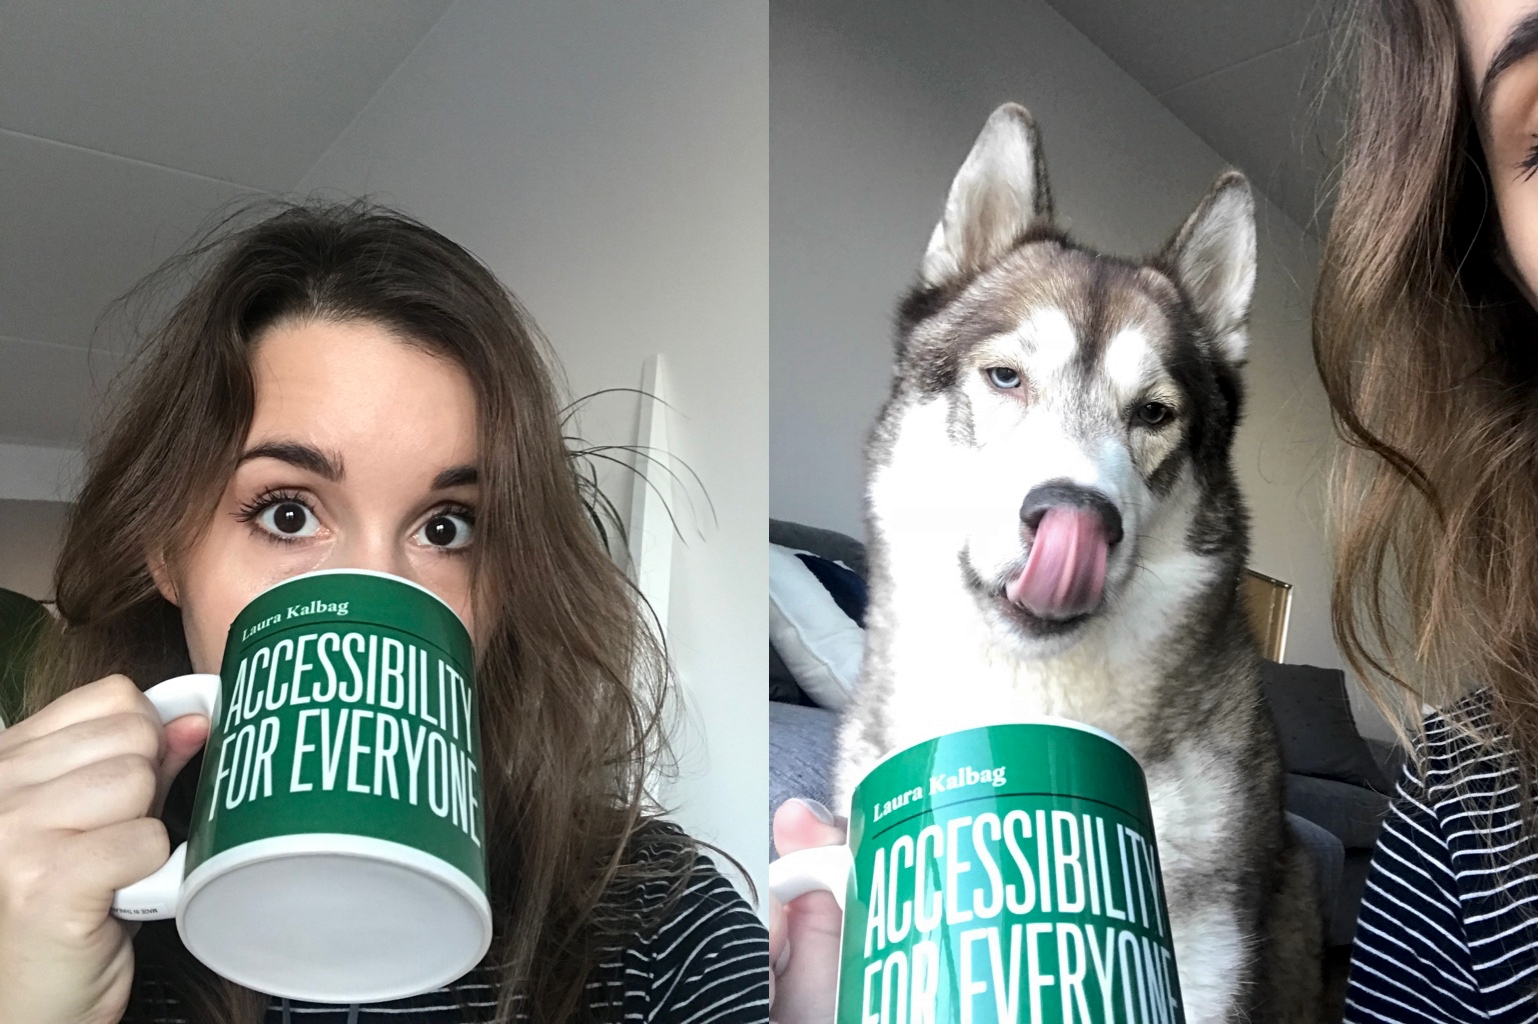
(336, 844)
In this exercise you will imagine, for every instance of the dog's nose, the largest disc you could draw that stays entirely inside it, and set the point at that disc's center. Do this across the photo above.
(1059, 493)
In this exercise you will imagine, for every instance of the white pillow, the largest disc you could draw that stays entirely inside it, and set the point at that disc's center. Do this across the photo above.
(818, 642)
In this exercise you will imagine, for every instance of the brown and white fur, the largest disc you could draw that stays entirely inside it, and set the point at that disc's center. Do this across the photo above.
(1028, 365)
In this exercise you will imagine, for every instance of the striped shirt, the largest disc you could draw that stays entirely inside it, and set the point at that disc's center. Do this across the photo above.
(703, 965)
(1446, 932)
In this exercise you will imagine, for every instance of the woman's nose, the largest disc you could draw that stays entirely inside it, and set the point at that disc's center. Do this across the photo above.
(374, 550)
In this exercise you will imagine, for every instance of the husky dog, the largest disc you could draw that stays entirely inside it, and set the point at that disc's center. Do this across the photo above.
(1055, 529)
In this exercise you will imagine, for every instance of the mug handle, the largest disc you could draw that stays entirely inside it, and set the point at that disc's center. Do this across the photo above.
(819, 867)
(154, 898)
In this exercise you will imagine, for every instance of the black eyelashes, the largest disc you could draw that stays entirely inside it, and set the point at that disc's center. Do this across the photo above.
(262, 502)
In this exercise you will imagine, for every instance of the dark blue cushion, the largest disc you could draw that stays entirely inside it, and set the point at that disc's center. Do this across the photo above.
(1315, 729)
(846, 588)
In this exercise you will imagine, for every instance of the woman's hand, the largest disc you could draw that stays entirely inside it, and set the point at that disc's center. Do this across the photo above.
(80, 782)
(804, 934)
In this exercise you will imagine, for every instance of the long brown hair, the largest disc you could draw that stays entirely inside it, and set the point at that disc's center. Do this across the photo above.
(1426, 349)
(571, 681)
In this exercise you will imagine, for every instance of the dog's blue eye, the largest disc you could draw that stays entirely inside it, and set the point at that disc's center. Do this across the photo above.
(1003, 377)
(1152, 414)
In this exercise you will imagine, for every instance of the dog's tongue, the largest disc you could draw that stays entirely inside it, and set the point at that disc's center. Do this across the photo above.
(1066, 568)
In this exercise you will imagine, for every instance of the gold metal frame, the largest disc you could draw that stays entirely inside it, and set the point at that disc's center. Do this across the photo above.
(1267, 603)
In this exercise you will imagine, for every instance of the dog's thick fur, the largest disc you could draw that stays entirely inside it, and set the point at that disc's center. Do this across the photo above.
(1164, 660)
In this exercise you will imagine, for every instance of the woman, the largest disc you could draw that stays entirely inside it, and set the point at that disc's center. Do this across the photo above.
(1425, 338)
(344, 387)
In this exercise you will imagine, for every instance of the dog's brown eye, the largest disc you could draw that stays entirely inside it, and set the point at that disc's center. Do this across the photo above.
(1152, 414)
(1003, 377)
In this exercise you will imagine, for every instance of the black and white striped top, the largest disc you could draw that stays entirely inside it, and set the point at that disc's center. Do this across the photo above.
(1446, 932)
(704, 965)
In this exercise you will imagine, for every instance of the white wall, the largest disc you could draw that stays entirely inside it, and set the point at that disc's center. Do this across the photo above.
(36, 485)
(39, 473)
(30, 532)
(608, 161)
(873, 105)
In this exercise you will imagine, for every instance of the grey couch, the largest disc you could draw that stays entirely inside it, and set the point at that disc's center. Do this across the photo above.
(1336, 789)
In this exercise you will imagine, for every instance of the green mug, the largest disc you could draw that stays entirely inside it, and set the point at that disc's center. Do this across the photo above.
(337, 848)
(999, 875)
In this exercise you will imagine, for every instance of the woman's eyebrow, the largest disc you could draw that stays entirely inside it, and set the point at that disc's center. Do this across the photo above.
(456, 476)
(299, 455)
(1518, 45)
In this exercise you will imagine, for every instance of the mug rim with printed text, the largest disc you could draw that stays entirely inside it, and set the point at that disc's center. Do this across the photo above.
(293, 896)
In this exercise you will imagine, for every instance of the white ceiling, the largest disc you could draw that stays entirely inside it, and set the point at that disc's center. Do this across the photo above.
(124, 128)
(1245, 75)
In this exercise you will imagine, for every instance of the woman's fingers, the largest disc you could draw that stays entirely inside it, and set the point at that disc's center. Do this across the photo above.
(82, 743)
(109, 858)
(93, 796)
(805, 962)
(96, 724)
(77, 780)
(110, 695)
(74, 877)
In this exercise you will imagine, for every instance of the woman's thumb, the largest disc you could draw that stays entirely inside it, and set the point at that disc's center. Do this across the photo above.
(184, 737)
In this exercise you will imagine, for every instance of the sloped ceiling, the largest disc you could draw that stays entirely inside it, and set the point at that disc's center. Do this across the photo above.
(1247, 76)
(124, 128)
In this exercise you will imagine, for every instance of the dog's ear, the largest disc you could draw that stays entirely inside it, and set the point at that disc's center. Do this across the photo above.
(1213, 259)
(999, 192)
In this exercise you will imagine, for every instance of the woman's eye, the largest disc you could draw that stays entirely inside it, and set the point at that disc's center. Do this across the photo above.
(448, 530)
(1003, 377)
(1152, 414)
(288, 519)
